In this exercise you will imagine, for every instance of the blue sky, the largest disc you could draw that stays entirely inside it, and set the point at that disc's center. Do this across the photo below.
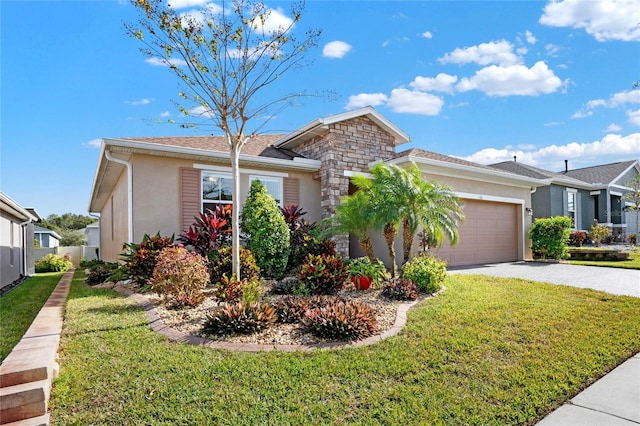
(478, 80)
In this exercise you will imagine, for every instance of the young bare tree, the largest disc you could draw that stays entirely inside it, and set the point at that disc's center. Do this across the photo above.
(225, 54)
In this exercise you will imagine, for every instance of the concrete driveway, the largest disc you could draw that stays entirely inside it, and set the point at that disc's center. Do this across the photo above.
(617, 281)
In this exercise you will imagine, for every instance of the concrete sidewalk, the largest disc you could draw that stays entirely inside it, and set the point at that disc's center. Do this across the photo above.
(615, 398)
(612, 400)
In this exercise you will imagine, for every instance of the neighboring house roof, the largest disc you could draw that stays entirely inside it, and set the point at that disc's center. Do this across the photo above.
(537, 173)
(604, 174)
(585, 178)
(445, 164)
(14, 209)
(40, 230)
(321, 126)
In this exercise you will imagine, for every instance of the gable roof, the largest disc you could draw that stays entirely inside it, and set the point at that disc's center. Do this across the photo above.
(537, 173)
(40, 230)
(604, 174)
(457, 167)
(321, 125)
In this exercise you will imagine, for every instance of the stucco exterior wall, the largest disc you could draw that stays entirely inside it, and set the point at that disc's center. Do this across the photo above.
(114, 226)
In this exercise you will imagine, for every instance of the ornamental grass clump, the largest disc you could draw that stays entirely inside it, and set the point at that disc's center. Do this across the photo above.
(180, 275)
(241, 318)
(341, 320)
(426, 271)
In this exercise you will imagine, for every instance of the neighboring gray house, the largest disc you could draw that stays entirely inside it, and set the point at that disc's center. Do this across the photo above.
(16, 240)
(92, 234)
(585, 195)
(46, 238)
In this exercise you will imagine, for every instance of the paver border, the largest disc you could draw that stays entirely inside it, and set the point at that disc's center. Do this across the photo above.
(158, 325)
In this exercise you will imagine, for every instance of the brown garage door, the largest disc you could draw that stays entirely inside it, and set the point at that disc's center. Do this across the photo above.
(488, 235)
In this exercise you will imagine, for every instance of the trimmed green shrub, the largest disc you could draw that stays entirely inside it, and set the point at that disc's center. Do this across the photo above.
(241, 317)
(341, 320)
(140, 259)
(400, 289)
(180, 275)
(220, 264)
(426, 271)
(53, 263)
(267, 234)
(550, 236)
(323, 274)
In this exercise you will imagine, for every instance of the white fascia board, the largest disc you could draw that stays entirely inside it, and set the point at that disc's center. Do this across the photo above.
(101, 158)
(296, 164)
(225, 169)
(617, 194)
(15, 209)
(349, 173)
(325, 122)
(625, 171)
(488, 176)
(619, 187)
(595, 192)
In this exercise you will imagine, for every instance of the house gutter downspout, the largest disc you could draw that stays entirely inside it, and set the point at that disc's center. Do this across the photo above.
(23, 231)
(109, 157)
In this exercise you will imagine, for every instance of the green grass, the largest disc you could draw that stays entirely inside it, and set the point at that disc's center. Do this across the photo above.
(21, 305)
(486, 351)
(632, 263)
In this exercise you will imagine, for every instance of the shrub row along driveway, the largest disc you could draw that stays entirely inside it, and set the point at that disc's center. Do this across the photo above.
(623, 282)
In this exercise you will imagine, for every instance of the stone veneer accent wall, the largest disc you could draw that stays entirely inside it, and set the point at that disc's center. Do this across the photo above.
(347, 146)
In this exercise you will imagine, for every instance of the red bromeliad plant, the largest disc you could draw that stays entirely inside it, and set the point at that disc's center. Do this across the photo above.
(210, 231)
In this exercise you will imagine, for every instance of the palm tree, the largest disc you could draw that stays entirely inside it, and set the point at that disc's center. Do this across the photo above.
(427, 204)
(353, 217)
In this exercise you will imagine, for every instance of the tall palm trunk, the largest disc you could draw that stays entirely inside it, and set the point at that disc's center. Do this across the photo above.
(407, 240)
(367, 246)
(389, 233)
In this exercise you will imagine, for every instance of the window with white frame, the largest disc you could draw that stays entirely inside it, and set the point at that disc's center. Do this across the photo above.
(216, 189)
(571, 207)
(273, 185)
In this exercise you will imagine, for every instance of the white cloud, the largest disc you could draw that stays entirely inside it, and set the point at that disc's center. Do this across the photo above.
(553, 123)
(611, 147)
(365, 99)
(603, 19)
(613, 127)
(201, 111)
(440, 83)
(500, 52)
(335, 49)
(94, 143)
(276, 21)
(165, 114)
(143, 101)
(552, 49)
(157, 62)
(634, 117)
(414, 102)
(512, 80)
(427, 34)
(616, 100)
(386, 43)
(183, 4)
(530, 37)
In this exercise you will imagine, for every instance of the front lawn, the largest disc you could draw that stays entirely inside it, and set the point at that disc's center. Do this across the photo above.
(632, 263)
(486, 351)
(21, 305)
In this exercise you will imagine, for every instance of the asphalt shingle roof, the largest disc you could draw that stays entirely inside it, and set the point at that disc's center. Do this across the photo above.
(604, 174)
(260, 145)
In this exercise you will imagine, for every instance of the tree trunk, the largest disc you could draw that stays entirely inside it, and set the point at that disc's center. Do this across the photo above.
(389, 233)
(407, 240)
(366, 245)
(235, 212)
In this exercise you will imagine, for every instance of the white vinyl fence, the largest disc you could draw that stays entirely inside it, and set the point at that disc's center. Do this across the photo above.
(75, 253)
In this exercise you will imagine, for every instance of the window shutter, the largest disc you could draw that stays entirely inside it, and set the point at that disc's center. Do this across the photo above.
(290, 191)
(190, 197)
